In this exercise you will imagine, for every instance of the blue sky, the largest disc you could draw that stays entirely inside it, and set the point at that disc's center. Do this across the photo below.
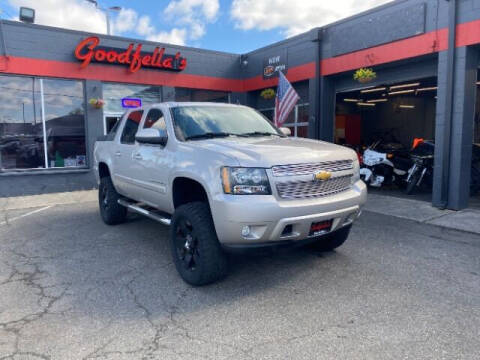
(234, 26)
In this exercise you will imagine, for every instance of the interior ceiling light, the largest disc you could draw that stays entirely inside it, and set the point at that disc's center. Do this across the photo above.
(377, 100)
(407, 106)
(404, 86)
(351, 100)
(373, 90)
(401, 92)
(365, 104)
(427, 88)
(478, 82)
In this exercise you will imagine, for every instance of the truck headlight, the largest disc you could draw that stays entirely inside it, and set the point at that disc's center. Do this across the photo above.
(245, 181)
(356, 171)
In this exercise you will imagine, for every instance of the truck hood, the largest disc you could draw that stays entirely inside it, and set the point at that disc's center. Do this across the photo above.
(270, 151)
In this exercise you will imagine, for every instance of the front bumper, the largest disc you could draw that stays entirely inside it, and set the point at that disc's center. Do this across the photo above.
(267, 217)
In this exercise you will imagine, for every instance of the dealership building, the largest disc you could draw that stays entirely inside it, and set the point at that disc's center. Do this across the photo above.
(61, 89)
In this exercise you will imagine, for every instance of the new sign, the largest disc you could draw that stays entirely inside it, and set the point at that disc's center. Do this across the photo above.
(88, 51)
(273, 64)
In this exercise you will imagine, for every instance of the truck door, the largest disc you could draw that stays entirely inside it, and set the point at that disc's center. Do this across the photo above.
(124, 171)
(153, 163)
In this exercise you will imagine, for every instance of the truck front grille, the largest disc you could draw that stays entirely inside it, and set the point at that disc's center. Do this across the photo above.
(313, 189)
(311, 168)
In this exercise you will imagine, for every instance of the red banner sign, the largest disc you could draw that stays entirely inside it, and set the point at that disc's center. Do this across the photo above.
(87, 51)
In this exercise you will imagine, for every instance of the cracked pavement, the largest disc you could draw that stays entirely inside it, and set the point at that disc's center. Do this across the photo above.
(74, 288)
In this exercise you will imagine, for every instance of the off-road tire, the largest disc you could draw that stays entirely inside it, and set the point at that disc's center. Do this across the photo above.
(331, 241)
(111, 211)
(210, 260)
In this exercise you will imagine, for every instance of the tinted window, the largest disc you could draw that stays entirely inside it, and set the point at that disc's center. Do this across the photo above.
(155, 120)
(111, 134)
(131, 127)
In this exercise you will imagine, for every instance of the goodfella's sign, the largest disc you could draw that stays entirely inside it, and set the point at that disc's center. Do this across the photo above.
(88, 51)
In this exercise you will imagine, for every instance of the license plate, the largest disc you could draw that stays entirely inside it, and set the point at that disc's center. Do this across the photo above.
(320, 228)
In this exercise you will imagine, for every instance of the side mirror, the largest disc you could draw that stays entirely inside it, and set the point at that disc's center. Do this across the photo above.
(285, 131)
(152, 136)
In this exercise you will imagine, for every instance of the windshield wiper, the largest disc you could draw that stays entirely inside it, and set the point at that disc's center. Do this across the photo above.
(209, 135)
(259, 133)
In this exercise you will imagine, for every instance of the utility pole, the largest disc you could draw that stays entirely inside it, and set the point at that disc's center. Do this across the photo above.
(106, 11)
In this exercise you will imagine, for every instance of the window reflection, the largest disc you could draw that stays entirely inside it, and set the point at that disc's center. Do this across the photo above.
(64, 123)
(21, 137)
(114, 93)
(22, 132)
(297, 120)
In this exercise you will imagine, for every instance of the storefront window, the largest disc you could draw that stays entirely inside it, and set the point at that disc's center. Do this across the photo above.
(42, 123)
(114, 93)
(297, 120)
(184, 94)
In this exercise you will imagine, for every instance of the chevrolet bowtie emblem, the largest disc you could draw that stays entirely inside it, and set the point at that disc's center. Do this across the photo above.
(322, 175)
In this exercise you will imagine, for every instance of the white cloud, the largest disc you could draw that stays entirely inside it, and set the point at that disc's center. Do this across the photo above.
(175, 36)
(125, 21)
(70, 14)
(144, 26)
(81, 15)
(189, 8)
(294, 17)
(192, 14)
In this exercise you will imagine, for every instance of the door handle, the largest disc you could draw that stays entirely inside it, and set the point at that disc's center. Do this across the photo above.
(138, 156)
(118, 154)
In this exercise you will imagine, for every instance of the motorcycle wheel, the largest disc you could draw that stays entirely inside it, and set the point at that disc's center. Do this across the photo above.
(412, 184)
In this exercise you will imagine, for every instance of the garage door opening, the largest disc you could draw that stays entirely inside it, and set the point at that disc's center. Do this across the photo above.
(475, 178)
(396, 121)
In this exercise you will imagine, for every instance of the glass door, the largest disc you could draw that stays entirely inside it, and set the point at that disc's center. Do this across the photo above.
(109, 121)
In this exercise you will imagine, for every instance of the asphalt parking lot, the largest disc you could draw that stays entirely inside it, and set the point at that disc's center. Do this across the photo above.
(74, 288)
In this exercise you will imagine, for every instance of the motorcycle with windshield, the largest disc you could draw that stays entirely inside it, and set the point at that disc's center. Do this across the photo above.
(384, 164)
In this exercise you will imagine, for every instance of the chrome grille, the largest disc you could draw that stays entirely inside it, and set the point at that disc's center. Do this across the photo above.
(307, 169)
(313, 189)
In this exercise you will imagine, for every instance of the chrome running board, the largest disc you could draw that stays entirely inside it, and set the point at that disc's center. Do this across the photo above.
(148, 213)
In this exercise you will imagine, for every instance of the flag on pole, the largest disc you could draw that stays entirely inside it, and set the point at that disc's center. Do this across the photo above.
(285, 100)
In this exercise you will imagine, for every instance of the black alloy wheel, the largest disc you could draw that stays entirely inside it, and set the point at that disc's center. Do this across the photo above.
(186, 244)
(196, 251)
(111, 211)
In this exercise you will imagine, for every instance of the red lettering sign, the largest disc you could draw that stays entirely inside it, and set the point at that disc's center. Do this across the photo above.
(88, 50)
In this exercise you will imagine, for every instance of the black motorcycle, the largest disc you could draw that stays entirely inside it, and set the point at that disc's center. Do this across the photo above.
(421, 173)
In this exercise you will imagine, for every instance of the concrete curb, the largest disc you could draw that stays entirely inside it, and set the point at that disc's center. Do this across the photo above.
(467, 220)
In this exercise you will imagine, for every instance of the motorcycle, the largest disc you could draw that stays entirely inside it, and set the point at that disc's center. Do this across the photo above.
(422, 170)
(383, 168)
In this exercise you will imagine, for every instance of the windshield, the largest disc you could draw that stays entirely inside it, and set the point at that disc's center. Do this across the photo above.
(197, 122)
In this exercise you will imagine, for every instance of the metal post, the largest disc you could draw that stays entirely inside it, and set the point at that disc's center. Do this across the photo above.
(44, 126)
(452, 24)
(296, 120)
(107, 15)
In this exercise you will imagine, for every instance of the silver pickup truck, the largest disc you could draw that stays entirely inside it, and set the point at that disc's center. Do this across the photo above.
(224, 178)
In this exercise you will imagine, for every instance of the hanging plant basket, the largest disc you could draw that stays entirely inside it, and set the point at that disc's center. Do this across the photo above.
(96, 103)
(267, 94)
(364, 75)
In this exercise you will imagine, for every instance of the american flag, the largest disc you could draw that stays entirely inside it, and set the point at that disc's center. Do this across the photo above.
(285, 100)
